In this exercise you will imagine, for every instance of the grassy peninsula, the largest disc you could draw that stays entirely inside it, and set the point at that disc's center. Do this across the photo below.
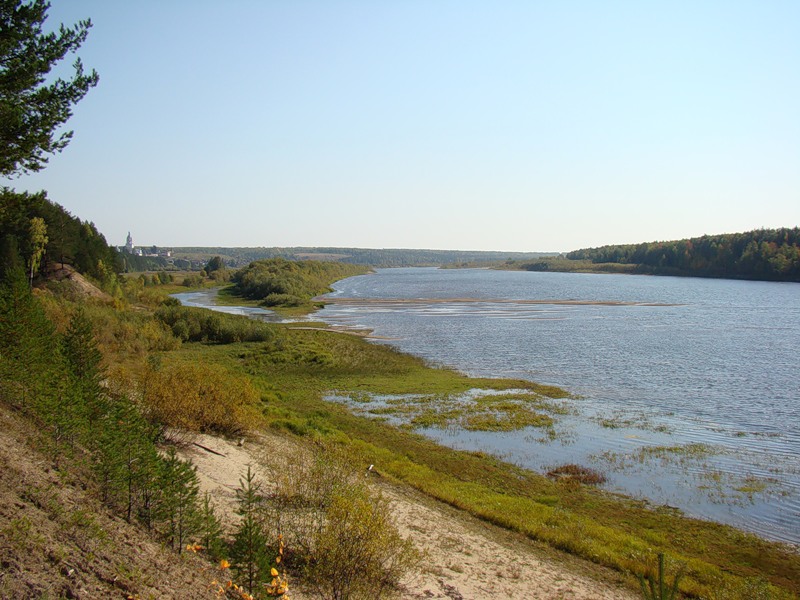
(288, 285)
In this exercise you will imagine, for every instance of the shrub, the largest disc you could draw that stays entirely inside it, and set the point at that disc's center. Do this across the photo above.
(200, 397)
(200, 325)
(358, 553)
(337, 530)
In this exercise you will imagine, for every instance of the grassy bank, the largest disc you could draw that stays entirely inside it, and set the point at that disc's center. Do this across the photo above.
(298, 367)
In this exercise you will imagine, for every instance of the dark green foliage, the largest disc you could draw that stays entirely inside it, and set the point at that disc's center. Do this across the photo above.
(31, 112)
(177, 511)
(215, 264)
(281, 282)
(82, 361)
(209, 529)
(79, 348)
(70, 240)
(249, 551)
(10, 258)
(129, 445)
(764, 254)
(199, 325)
(28, 370)
(57, 381)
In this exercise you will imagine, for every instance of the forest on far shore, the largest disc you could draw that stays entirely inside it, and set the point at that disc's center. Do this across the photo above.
(762, 254)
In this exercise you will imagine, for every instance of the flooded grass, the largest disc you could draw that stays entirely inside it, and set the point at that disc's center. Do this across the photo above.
(694, 462)
(626, 420)
(679, 453)
(473, 410)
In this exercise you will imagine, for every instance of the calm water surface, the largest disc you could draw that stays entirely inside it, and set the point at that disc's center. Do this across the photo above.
(688, 390)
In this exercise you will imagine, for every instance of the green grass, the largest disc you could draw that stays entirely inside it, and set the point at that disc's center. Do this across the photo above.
(227, 296)
(298, 368)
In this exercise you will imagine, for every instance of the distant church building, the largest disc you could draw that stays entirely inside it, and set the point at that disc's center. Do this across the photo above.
(129, 243)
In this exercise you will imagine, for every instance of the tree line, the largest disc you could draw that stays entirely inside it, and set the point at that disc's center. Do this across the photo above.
(386, 257)
(762, 254)
(36, 233)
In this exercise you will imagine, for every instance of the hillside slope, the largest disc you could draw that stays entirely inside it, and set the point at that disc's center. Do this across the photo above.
(58, 541)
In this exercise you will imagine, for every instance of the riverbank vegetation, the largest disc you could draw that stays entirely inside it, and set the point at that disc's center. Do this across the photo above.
(110, 415)
(278, 282)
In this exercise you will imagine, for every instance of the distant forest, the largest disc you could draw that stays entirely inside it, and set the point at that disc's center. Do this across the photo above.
(763, 254)
(238, 257)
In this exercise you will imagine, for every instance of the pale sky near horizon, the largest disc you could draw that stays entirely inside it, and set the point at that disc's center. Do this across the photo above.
(491, 125)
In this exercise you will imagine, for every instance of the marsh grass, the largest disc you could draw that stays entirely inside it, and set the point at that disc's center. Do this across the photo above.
(695, 461)
(577, 473)
(679, 454)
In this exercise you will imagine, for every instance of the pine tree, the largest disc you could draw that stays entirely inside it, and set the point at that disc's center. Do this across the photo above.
(210, 529)
(126, 461)
(83, 364)
(177, 512)
(32, 112)
(28, 369)
(249, 550)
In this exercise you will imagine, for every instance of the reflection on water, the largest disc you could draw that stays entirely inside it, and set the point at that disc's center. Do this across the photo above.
(689, 388)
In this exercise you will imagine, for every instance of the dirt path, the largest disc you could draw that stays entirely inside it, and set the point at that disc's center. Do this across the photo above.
(466, 559)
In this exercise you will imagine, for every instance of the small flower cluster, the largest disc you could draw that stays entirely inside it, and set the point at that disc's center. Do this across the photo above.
(280, 583)
(226, 588)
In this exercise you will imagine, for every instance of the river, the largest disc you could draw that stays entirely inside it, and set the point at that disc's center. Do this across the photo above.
(686, 390)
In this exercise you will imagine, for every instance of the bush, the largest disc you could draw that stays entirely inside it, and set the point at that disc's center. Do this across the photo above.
(200, 397)
(337, 531)
(281, 282)
(200, 325)
(358, 553)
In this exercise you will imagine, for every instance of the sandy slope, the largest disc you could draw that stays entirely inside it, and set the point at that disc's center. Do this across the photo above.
(465, 558)
(57, 541)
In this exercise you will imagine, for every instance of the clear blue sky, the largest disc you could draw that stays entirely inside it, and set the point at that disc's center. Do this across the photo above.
(493, 125)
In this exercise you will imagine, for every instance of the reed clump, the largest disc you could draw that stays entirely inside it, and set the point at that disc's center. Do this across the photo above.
(577, 473)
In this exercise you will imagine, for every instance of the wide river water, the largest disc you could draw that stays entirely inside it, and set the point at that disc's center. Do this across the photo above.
(687, 391)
